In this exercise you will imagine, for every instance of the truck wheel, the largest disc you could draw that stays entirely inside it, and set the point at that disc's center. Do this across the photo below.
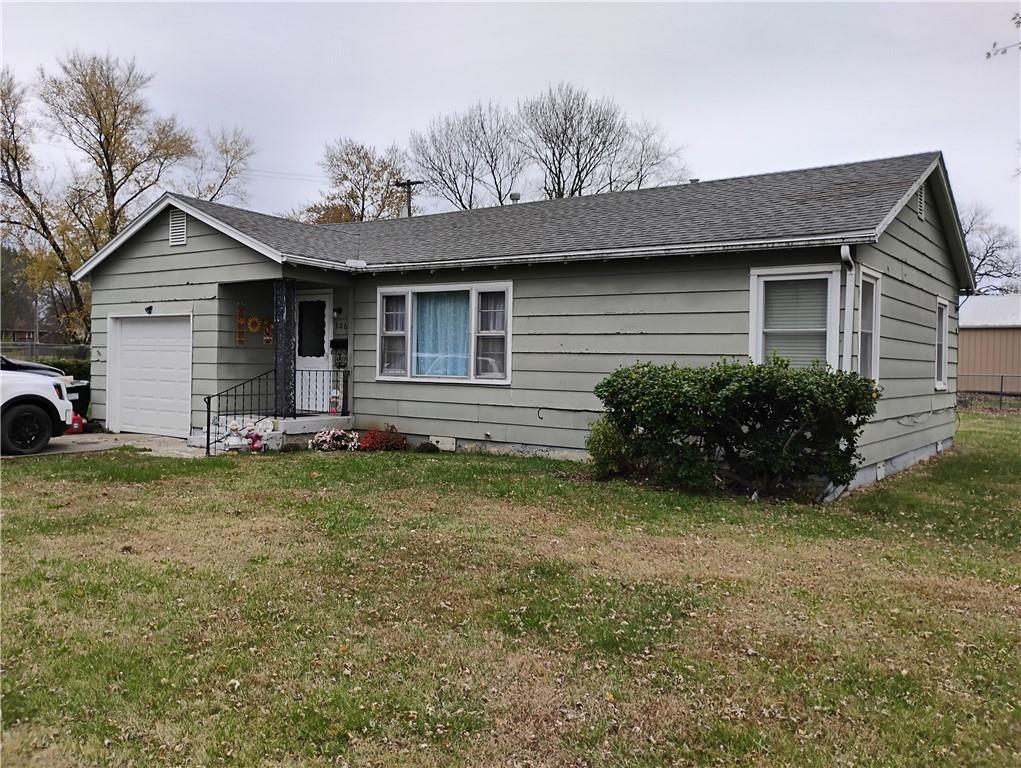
(26, 429)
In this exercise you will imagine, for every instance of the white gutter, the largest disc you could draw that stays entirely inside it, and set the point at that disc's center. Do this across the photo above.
(849, 238)
(845, 256)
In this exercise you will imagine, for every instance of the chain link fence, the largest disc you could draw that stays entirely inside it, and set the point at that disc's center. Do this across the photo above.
(989, 390)
(27, 350)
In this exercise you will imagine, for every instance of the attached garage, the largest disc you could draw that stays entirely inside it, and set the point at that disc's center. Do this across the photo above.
(150, 375)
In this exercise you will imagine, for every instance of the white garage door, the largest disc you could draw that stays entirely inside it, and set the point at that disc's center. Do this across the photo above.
(153, 371)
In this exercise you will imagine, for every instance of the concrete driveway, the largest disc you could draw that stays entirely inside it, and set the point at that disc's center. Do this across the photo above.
(88, 443)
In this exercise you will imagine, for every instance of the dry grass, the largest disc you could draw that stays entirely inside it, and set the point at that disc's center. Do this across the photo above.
(465, 610)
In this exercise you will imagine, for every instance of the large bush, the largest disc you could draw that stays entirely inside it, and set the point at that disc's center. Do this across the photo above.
(769, 428)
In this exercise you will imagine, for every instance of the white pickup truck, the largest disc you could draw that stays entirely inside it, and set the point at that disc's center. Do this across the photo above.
(33, 409)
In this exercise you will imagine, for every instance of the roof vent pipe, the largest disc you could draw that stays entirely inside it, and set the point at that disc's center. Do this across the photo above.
(845, 256)
(515, 196)
(693, 181)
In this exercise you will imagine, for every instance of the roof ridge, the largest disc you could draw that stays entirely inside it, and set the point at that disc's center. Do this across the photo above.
(646, 190)
(339, 227)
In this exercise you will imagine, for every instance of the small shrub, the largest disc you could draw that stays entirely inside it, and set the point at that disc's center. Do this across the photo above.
(334, 440)
(427, 447)
(768, 428)
(76, 369)
(388, 439)
(608, 449)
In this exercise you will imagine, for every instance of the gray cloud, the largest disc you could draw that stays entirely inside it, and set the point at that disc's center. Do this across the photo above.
(745, 88)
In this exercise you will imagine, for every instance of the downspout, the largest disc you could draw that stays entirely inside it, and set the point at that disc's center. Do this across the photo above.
(845, 256)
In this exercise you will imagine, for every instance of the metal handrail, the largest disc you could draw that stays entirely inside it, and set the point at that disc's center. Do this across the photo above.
(243, 389)
(322, 391)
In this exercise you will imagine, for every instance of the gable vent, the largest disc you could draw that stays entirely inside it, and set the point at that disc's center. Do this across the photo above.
(178, 227)
(921, 202)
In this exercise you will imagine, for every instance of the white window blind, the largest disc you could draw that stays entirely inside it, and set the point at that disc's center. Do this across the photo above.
(178, 227)
(794, 320)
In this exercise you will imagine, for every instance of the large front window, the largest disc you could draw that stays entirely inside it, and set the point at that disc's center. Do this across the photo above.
(794, 313)
(450, 332)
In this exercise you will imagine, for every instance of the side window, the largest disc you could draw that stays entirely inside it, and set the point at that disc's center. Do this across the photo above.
(794, 315)
(868, 331)
(942, 339)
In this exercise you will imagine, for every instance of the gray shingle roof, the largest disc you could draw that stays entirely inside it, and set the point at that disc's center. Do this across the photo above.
(849, 199)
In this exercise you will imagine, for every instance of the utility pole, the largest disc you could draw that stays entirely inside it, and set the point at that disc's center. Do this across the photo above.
(406, 185)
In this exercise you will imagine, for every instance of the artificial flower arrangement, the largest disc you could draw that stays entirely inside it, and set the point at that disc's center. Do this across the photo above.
(388, 439)
(334, 440)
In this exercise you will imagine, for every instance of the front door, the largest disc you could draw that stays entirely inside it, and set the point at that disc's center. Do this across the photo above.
(314, 377)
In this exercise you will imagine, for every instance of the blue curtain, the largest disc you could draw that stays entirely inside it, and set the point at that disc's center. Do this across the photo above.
(441, 333)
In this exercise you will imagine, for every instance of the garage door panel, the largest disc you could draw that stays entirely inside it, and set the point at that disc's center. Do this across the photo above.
(154, 375)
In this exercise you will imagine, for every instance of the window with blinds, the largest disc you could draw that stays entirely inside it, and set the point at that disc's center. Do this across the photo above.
(794, 316)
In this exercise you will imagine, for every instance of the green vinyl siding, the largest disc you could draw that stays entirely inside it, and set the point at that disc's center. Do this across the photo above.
(914, 262)
(571, 325)
(193, 279)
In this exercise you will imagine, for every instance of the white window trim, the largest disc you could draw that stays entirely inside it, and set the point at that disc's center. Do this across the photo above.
(877, 280)
(941, 377)
(757, 280)
(474, 290)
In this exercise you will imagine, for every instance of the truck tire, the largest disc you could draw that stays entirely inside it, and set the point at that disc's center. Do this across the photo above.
(26, 428)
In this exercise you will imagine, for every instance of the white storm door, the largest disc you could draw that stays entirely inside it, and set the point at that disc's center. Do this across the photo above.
(153, 375)
(313, 377)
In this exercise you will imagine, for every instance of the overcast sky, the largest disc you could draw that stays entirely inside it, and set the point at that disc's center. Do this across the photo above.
(744, 88)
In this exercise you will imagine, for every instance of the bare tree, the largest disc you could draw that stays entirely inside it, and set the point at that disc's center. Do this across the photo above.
(448, 159)
(993, 250)
(363, 179)
(492, 131)
(472, 158)
(644, 159)
(219, 167)
(572, 138)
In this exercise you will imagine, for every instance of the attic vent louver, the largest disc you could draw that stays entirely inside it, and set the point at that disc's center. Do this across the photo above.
(178, 227)
(921, 202)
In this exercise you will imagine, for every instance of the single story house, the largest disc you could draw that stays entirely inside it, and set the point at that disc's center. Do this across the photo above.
(990, 342)
(491, 327)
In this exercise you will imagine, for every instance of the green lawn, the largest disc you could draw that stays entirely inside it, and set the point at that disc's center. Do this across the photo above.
(416, 609)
